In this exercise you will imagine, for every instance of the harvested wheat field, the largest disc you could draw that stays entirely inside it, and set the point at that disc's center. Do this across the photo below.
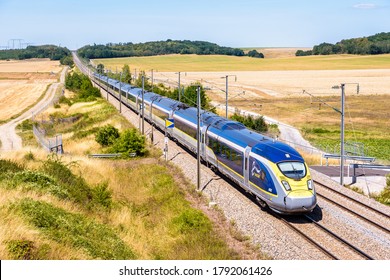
(22, 83)
(30, 65)
(284, 83)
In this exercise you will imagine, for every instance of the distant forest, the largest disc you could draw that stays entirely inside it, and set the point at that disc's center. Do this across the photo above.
(376, 44)
(45, 51)
(159, 48)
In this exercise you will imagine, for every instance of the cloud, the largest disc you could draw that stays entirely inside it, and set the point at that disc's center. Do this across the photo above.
(365, 6)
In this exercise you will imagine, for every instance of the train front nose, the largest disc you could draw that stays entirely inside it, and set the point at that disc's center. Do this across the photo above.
(300, 201)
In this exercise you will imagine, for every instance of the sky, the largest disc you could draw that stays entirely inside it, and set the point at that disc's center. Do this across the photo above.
(245, 23)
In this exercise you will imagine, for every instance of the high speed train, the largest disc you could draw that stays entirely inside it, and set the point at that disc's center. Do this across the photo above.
(274, 172)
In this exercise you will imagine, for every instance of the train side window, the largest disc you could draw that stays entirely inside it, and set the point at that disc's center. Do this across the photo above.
(185, 128)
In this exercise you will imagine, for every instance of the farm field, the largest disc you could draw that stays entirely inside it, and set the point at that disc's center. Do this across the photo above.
(216, 63)
(275, 87)
(22, 83)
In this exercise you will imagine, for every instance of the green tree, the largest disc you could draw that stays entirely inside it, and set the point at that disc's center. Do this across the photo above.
(190, 96)
(130, 141)
(126, 74)
(107, 135)
(100, 68)
(254, 53)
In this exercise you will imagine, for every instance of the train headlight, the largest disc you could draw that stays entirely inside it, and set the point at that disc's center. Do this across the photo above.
(310, 184)
(286, 185)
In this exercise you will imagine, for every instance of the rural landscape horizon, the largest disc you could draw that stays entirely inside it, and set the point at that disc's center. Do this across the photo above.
(141, 132)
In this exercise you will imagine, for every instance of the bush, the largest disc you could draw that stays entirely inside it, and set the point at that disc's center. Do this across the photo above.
(74, 185)
(82, 86)
(130, 142)
(21, 249)
(102, 195)
(107, 135)
(257, 124)
(9, 166)
(26, 125)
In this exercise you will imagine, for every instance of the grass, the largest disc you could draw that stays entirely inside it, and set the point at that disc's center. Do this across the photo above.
(195, 63)
(138, 212)
(98, 240)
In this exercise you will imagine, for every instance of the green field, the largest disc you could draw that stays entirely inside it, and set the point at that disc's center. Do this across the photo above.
(194, 63)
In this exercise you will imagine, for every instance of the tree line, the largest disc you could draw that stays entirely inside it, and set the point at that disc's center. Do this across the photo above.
(376, 44)
(45, 51)
(158, 48)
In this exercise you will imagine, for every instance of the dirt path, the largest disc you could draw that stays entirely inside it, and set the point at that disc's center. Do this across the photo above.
(8, 137)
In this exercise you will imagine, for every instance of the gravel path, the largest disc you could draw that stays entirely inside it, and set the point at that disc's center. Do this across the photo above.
(8, 137)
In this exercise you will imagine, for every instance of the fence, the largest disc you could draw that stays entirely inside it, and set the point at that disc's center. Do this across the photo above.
(53, 144)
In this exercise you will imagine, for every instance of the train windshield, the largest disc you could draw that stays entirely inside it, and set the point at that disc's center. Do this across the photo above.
(293, 169)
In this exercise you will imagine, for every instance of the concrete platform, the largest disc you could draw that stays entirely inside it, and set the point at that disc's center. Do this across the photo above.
(370, 181)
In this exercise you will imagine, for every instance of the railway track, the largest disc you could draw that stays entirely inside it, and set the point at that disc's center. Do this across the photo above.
(324, 239)
(372, 215)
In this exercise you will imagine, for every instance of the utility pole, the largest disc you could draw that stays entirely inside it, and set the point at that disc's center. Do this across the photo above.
(342, 133)
(179, 87)
(120, 93)
(152, 80)
(227, 89)
(142, 104)
(198, 139)
(107, 84)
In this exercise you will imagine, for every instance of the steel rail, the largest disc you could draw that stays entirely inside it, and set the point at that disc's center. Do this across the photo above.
(342, 240)
(355, 213)
(308, 238)
(354, 200)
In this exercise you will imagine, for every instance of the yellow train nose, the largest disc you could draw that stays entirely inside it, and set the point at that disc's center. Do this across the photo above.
(299, 200)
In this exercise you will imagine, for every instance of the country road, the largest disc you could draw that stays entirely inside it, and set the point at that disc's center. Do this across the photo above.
(8, 137)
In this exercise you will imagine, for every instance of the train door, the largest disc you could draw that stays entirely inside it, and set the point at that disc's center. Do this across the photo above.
(137, 104)
(246, 164)
(203, 146)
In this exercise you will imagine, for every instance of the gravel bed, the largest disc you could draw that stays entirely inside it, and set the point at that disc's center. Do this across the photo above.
(366, 237)
(268, 233)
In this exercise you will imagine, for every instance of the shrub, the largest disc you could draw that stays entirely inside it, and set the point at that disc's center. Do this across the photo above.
(107, 135)
(75, 186)
(102, 195)
(26, 125)
(29, 156)
(255, 123)
(192, 220)
(9, 166)
(33, 180)
(130, 142)
(21, 249)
